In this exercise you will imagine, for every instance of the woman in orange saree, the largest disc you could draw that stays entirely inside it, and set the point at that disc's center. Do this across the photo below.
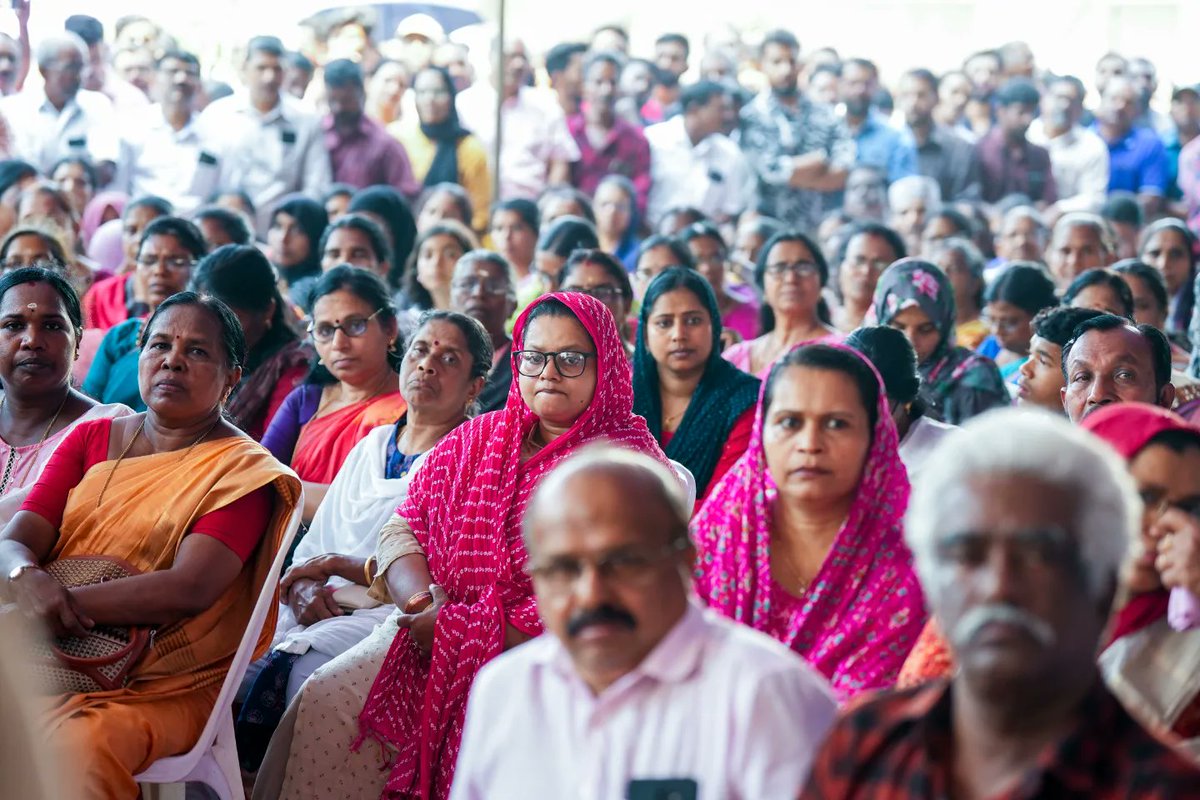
(188, 500)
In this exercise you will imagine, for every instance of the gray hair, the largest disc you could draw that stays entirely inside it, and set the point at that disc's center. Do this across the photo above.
(971, 254)
(1024, 212)
(1086, 219)
(663, 482)
(1043, 446)
(48, 49)
(912, 186)
(496, 260)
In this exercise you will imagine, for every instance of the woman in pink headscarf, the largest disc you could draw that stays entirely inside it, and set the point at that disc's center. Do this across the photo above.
(802, 538)
(451, 560)
(102, 208)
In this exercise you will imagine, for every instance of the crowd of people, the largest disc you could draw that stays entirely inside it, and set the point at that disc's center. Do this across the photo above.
(743, 426)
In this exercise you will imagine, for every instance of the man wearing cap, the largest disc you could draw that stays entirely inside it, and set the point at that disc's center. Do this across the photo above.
(1009, 162)
(419, 36)
(1078, 157)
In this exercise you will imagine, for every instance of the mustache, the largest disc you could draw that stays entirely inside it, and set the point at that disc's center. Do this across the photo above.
(600, 615)
(977, 618)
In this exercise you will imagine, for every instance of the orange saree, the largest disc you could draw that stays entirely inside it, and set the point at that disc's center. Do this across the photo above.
(326, 441)
(146, 511)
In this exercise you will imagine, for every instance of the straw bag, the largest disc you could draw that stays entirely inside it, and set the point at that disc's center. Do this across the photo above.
(102, 660)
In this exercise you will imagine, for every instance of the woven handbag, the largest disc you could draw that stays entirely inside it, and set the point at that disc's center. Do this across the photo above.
(102, 660)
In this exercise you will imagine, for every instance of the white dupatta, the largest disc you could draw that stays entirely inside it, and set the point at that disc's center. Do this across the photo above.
(360, 500)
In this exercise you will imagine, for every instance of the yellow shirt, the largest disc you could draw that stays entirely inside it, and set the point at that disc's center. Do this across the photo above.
(970, 334)
(473, 172)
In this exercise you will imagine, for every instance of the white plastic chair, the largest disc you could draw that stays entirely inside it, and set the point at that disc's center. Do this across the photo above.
(689, 481)
(213, 761)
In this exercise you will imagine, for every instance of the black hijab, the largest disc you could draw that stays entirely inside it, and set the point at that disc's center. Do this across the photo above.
(446, 134)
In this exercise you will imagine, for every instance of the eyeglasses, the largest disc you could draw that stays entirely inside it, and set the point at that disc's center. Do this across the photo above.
(569, 363)
(352, 326)
(173, 263)
(473, 285)
(801, 269)
(605, 294)
(1007, 323)
(626, 566)
(1156, 503)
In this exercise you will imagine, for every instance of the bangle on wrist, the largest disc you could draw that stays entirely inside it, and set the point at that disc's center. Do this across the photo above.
(418, 603)
(369, 570)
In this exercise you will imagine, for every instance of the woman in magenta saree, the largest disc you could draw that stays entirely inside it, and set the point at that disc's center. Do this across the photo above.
(460, 530)
(802, 538)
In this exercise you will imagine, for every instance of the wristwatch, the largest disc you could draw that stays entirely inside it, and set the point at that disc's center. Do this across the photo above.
(21, 570)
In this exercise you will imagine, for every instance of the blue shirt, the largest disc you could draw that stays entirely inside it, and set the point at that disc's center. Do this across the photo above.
(884, 147)
(1137, 163)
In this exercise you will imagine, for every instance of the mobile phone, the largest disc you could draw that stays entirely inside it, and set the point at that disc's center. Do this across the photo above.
(663, 789)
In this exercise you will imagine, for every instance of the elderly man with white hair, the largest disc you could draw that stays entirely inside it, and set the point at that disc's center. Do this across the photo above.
(634, 691)
(60, 118)
(911, 200)
(1019, 527)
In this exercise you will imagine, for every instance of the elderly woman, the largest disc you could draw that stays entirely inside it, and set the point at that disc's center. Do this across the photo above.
(739, 304)
(451, 559)
(326, 610)
(893, 357)
(916, 298)
(485, 289)
(699, 407)
(790, 273)
(600, 275)
(170, 248)
(1080, 241)
(802, 539)
(40, 327)
(352, 387)
(277, 361)
(1170, 246)
(1013, 300)
(112, 301)
(293, 244)
(912, 199)
(196, 508)
(441, 149)
(963, 264)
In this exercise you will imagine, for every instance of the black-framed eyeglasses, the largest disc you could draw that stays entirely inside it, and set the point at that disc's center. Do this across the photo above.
(605, 294)
(624, 567)
(351, 326)
(1156, 503)
(569, 363)
(801, 269)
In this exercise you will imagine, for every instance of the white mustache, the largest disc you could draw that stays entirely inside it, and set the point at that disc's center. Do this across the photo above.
(974, 620)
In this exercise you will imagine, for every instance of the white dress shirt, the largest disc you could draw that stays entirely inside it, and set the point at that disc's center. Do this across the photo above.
(919, 442)
(715, 702)
(712, 176)
(42, 135)
(1079, 161)
(267, 155)
(157, 159)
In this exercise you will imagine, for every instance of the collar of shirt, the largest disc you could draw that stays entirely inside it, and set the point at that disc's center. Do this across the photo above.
(69, 107)
(773, 105)
(577, 124)
(1126, 142)
(675, 658)
(157, 121)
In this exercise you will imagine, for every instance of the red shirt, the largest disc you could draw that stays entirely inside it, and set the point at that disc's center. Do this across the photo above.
(238, 526)
(624, 151)
(369, 156)
(897, 745)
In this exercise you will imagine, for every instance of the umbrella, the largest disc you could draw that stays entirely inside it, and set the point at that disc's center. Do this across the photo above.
(451, 15)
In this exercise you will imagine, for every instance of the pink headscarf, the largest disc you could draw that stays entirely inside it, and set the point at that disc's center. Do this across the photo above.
(106, 248)
(863, 612)
(93, 213)
(465, 508)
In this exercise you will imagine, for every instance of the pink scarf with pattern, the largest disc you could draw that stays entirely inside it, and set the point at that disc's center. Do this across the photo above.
(465, 508)
(864, 610)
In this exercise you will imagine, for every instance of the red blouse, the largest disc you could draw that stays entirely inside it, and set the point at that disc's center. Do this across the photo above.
(238, 526)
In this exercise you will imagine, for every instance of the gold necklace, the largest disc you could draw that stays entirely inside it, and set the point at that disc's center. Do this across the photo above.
(12, 451)
(797, 576)
(138, 433)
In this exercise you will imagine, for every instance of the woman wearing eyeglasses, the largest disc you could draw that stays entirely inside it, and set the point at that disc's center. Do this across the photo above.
(452, 560)
(169, 248)
(596, 273)
(352, 387)
(791, 272)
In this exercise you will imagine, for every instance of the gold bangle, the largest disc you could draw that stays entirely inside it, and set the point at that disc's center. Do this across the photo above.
(418, 603)
(369, 570)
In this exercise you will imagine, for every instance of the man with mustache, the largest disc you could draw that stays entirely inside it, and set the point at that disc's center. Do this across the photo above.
(633, 683)
(1111, 360)
(1019, 526)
